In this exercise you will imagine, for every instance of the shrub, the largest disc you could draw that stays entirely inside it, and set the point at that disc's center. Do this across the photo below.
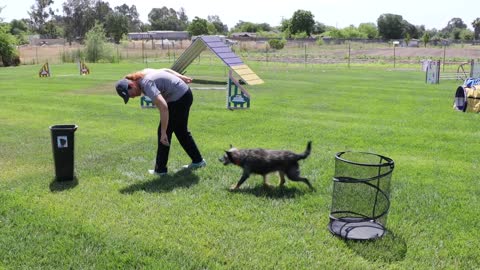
(277, 44)
(8, 52)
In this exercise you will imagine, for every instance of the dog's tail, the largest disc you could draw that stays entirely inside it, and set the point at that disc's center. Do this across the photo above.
(305, 154)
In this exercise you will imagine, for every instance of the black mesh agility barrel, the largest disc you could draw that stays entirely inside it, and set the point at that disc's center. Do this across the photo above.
(361, 195)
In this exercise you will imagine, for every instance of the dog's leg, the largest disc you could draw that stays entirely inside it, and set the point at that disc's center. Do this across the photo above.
(293, 173)
(265, 183)
(282, 178)
(244, 177)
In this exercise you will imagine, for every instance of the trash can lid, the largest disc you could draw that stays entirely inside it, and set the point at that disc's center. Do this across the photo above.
(64, 127)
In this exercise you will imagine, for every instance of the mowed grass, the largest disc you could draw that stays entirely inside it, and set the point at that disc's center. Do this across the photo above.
(116, 215)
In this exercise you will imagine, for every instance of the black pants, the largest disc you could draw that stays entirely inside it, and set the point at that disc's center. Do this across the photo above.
(177, 123)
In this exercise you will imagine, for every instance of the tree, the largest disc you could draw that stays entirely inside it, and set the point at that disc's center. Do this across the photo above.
(183, 18)
(454, 28)
(165, 19)
(95, 40)
(285, 27)
(101, 10)
(242, 26)
(8, 53)
(476, 28)
(1, 19)
(370, 29)
(134, 23)
(390, 26)
(352, 32)
(410, 29)
(319, 28)
(302, 21)
(426, 38)
(218, 24)
(197, 27)
(78, 19)
(116, 26)
(18, 27)
(39, 15)
(466, 35)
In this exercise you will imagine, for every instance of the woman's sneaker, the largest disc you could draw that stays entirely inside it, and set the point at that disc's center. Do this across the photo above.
(153, 172)
(194, 166)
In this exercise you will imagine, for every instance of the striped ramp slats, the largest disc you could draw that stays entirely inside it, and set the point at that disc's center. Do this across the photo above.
(247, 74)
(218, 47)
(187, 57)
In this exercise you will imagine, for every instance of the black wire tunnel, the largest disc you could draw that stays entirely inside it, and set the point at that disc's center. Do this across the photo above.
(361, 195)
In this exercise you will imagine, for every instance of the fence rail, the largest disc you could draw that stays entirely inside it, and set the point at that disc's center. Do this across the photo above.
(294, 52)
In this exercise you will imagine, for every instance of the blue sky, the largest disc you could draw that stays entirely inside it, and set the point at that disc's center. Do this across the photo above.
(338, 13)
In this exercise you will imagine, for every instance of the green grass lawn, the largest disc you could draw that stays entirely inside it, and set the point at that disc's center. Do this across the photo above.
(116, 215)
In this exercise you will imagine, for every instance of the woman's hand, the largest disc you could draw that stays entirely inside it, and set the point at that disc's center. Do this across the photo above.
(164, 139)
(186, 79)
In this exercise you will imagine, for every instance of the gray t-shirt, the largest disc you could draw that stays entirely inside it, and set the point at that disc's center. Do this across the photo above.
(165, 83)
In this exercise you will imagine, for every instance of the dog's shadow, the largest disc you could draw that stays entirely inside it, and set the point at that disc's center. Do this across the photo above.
(181, 179)
(271, 192)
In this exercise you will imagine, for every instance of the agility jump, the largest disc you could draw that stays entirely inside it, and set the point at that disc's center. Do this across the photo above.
(434, 75)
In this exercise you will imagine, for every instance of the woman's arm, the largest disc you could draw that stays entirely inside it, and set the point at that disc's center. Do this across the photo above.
(183, 77)
(162, 106)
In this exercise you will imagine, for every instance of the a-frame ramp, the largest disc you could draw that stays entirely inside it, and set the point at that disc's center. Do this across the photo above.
(220, 49)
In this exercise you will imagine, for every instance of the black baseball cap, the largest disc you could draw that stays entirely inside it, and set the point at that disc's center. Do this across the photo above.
(122, 89)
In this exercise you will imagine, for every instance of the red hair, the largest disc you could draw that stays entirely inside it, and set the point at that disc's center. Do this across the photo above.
(135, 76)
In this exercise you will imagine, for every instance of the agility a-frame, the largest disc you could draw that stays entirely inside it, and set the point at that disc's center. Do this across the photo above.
(220, 49)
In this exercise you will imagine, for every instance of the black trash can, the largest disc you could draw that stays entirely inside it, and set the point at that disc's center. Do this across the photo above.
(361, 195)
(63, 151)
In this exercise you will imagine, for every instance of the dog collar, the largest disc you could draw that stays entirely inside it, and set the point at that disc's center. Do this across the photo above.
(236, 162)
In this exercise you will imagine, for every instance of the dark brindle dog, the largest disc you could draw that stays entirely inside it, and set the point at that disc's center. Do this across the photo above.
(262, 161)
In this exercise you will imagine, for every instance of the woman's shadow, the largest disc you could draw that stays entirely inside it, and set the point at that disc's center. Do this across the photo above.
(181, 179)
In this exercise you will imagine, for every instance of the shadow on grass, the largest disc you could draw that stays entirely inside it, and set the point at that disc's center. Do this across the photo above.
(200, 81)
(390, 248)
(183, 178)
(58, 186)
(271, 192)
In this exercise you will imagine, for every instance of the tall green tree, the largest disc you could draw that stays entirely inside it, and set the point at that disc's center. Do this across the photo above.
(476, 28)
(426, 38)
(39, 14)
(183, 18)
(116, 26)
(198, 26)
(302, 21)
(101, 10)
(220, 28)
(134, 23)
(390, 26)
(18, 26)
(319, 28)
(165, 19)
(78, 18)
(454, 28)
(95, 43)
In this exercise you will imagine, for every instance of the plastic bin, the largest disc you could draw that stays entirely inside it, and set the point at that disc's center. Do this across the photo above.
(63, 143)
